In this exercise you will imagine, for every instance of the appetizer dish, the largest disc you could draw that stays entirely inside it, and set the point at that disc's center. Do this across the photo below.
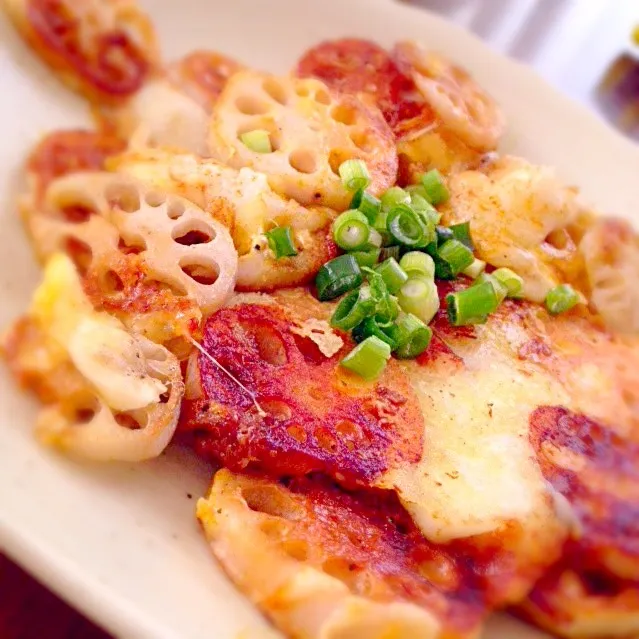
(411, 360)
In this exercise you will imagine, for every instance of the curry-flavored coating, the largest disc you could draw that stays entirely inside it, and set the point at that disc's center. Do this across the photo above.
(318, 416)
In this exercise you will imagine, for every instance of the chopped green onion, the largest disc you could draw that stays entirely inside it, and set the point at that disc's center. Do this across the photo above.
(472, 305)
(406, 227)
(367, 258)
(353, 308)
(390, 251)
(443, 235)
(418, 264)
(337, 276)
(417, 189)
(419, 297)
(393, 197)
(257, 140)
(561, 298)
(426, 210)
(369, 327)
(354, 175)
(380, 226)
(280, 242)
(387, 307)
(475, 269)
(411, 336)
(500, 290)
(392, 274)
(367, 204)
(461, 232)
(369, 358)
(351, 231)
(436, 191)
(375, 239)
(452, 258)
(513, 283)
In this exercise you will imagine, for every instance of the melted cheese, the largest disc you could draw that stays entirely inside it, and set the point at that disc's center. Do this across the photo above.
(478, 470)
(97, 344)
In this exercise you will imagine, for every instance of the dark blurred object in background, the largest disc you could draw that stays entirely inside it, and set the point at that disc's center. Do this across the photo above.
(589, 49)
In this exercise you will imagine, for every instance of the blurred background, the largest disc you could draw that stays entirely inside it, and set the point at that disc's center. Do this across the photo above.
(588, 49)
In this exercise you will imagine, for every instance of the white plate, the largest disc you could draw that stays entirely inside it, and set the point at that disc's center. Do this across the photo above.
(121, 542)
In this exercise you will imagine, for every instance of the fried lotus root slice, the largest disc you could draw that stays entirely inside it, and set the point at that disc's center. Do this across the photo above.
(109, 395)
(458, 101)
(245, 203)
(321, 563)
(314, 415)
(583, 606)
(67, 151)
(202, 75)
(610, 251)
(104, 49)
(596, 470)
(311, 131)
(180, 245)
(520, 217)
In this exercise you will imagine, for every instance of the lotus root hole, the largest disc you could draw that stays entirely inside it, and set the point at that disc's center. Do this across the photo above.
(302, 91)
(340, 569)
(175, 209)
(558, 239)
(125, 196)
(274, 135)
(276, 408)
(322, 97)
(275, 90)
(131, 249)
(270, 500)
(362, 140)
(336, 158)
(112, 282)
(251, 105)
(155, 198)
(126, 420)
(296, 549)
(80, 253)
(205, 274)
(76, 213)
(193, 234)
(84, 415)
(269, 344)
(344, 114)
(303, 160)
(326, 440)
(297, 433)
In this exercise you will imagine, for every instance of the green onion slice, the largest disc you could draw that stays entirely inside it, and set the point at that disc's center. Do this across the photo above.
(419, 296)
(436, 191)
(561, 299)
(257, 140)
(369, 358)
(461, 232)
(500, 290)
(411, 335)
(338, 276)
(392, 274)
(375, 239)
(418, 264)
(406, 227)
(367, 258)
(426, 210)
(514, 283)
(393, 197)
(280, 241)
(354, 175)
(443, 235)
(354, 308)
(370, 326)
(387, 308)
(367, 204)
(472, 305)
(475, 269)
(453, 258)
(351, 231)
